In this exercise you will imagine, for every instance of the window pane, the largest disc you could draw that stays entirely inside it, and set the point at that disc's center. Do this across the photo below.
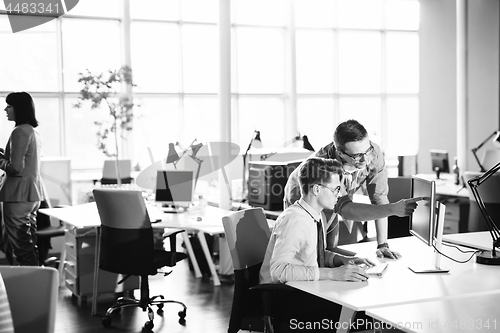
(360, 14)
(359, 62)
(260, 12)
(367, 111)
(200, 55)
(89, 44)
(48, 115)
(315, 58)
(28, 58)
(402, 62)
(402, 139)
(260, 60)
(402, 14)
(81, 138)
(315, 118)
(158, 123)
(156, 65)
(108, 8)
(155, 9)
(200, 10)
(314, 13)
(262, 114)
(201, 119)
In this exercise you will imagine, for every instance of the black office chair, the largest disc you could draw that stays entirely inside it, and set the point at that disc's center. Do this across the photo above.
(127, 247)
(44, 234)
(109, 175)
(490, 194)
(247, 234)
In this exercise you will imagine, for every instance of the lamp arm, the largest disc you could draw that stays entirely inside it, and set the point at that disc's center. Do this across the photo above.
(474, 183)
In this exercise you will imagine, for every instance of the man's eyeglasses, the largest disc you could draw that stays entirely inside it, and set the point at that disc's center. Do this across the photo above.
(360, 156)
(335, 191)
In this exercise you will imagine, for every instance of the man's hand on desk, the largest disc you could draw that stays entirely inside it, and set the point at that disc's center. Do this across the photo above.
(352, 273)
(385, 252)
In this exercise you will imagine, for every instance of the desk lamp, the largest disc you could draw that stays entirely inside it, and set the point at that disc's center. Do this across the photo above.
(174, 158)
(486, 257)
(255, 142)
(496, 140)
(305, 144)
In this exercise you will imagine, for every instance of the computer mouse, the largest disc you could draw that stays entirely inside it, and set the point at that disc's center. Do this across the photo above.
(199, 218)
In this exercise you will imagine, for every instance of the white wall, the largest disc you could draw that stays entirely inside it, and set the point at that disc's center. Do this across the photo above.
(438, 77)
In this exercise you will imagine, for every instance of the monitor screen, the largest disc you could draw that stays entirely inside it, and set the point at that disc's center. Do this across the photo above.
(440, 161)
(422, 221)
(174, 187)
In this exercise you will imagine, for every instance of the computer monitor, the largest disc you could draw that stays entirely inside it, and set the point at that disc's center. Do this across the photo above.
(427, 222)
(440, 161)
(174, 188)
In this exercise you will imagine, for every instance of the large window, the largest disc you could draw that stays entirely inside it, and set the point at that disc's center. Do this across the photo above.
(297, 66)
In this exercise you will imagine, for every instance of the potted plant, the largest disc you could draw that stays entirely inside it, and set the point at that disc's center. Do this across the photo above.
(103, 87)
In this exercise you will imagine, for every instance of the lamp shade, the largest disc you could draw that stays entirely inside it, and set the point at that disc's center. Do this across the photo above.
(496, 139)
(172, 154)
(306, 144)
(196, 148)
(256, 141)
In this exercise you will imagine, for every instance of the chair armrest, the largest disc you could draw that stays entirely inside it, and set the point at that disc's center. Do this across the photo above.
(171, 233)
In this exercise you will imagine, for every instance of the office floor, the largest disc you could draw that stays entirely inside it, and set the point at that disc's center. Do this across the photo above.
(208, 310)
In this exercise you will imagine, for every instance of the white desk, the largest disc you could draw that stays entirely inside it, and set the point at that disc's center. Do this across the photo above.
(476, 240)
(400, 285)
(87, 216)
(467, 314)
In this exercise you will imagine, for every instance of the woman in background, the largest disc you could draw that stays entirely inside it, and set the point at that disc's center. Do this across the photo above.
(22, 190)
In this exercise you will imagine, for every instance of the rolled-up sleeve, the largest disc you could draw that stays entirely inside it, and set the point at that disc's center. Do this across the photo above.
(376, 181)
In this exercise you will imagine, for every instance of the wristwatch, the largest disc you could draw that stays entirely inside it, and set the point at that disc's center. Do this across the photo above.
(383, 245)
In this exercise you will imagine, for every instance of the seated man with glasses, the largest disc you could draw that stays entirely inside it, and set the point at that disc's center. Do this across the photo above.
(362, 163)
(296, 251)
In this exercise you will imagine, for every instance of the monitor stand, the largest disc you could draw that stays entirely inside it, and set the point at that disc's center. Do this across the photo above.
(436, 267)
(438, 172)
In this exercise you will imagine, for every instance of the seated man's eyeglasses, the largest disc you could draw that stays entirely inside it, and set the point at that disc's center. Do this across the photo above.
(335, 191)
(360, 156)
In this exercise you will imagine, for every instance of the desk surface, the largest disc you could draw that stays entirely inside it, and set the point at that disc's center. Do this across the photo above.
(477, 240)
(446, 185)
(86, 215)
(399, 285)
(467, 314)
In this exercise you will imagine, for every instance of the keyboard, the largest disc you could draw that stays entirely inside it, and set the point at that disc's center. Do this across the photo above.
(377, 270)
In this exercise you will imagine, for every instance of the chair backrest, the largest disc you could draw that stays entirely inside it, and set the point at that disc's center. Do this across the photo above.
(489, 190)
(109, 169)
(490, 158)
(247, 234)
(127, 244)
(32, 293)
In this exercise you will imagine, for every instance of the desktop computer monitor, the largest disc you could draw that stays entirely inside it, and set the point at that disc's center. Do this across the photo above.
(174, 187)
(440, 161)
(427, 222)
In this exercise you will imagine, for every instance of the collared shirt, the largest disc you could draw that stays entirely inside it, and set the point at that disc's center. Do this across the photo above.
(291, 254)
(374, 176)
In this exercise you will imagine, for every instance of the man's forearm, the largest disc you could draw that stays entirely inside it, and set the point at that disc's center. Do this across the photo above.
(364, 212)
(381, 227)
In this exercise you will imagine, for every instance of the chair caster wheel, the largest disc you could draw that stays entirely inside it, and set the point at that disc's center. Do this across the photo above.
(148, 326)
(182, 314)
(106, 321)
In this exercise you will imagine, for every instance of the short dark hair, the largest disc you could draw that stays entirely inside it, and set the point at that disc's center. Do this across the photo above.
(348, 131)
(317, 170)
(24, 108)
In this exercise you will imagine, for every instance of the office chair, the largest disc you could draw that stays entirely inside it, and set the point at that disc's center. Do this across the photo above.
(247, 234)
(32, 293)
(44, 233)
(490, 194)
(126, 247)
(109, 175)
